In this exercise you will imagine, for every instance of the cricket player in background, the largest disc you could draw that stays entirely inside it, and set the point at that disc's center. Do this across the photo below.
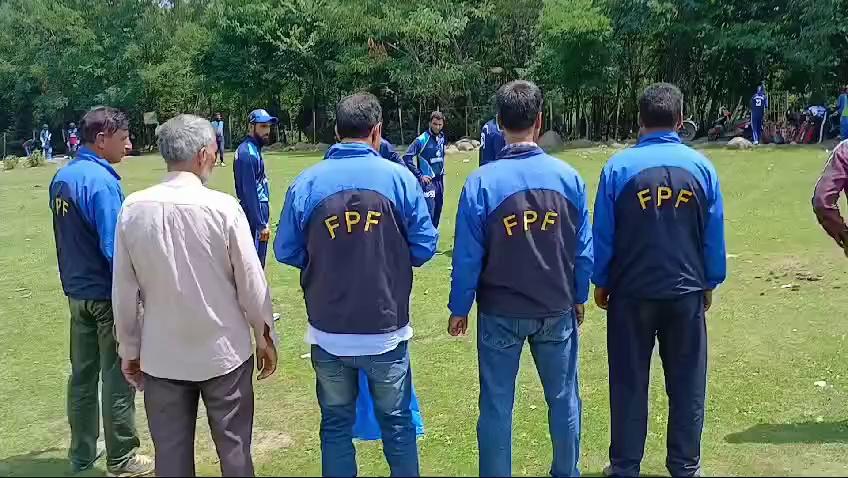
(252, 187)
(759, 105)
(46, 138)
(659, 254)
(218, 126)
(523, 247)
(491, 142)
(427, 154)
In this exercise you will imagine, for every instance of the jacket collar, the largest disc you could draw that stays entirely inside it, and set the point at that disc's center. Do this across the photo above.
(519, 151)
(86, 154)
(347, 150)
(660, 137)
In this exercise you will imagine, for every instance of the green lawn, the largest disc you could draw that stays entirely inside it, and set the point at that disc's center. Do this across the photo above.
(768, 345)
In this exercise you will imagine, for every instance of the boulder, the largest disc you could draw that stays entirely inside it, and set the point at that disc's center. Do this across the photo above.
(465, 146)
(581, 144)
(475, 143)
(322, 147)
(452, 149)
(551, 142)
(739, 143)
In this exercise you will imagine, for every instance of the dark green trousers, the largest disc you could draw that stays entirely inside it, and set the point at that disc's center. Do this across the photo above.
(94, 350)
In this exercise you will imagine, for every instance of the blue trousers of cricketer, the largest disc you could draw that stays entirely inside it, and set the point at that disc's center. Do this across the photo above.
(843, 127)
(434, 194)
(390, 384)
(553, 343)
(757, 127)
(679, 325)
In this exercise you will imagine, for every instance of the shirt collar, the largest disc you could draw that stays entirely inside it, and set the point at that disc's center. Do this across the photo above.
(659, 137)
(519, 150)
(347, 150)
(182, 178)
(86, 154)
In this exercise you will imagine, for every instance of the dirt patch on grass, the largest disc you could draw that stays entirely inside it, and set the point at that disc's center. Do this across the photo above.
(789, 273)
(269, 441)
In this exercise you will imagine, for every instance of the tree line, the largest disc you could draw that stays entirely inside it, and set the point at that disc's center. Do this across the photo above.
(296, 58)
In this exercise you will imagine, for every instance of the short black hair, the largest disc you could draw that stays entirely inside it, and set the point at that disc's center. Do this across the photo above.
(102, 119)
(660, 106)
(357, 114)
(519, 104)
(437, 115)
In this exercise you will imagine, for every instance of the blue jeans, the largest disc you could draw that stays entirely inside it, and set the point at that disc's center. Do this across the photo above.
(553, 342)
(390, 384)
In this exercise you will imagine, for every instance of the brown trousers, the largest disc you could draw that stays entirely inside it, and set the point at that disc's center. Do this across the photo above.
(171, 407)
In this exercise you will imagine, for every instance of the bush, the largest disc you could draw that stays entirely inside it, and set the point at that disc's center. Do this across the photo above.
(36, 159)
(10, 163)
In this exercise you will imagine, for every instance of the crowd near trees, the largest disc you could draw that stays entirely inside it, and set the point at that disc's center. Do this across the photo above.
(296, 58)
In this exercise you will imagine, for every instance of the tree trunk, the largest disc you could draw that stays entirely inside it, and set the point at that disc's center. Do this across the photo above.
(420, 107)
(400, 122)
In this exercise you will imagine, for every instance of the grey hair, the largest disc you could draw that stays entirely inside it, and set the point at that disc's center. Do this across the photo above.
(183, 136)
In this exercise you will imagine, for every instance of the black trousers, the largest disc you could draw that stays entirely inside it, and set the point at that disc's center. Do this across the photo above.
(679, 325)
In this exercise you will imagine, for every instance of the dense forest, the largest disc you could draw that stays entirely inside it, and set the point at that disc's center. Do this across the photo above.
(296, 58)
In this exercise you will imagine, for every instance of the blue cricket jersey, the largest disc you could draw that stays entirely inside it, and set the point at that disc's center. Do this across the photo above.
(523, 241)
(659, 221)
(85, 198)
(429, 151)
(252, 187)
(355, 225)
(491, 142)
(759, 103)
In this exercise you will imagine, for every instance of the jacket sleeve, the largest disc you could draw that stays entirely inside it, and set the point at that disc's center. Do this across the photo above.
(388, 151)
(832, 182)
(245, 168)
(468, 252)
(421, 234)
(603, 229)
(409, 158)
(481, 152)
(289, 241)
(584, 256)
(715, 251)
(103, 208)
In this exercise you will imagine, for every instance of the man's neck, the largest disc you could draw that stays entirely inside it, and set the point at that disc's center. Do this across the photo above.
(365, 141)
(514, 137)
(662, 129)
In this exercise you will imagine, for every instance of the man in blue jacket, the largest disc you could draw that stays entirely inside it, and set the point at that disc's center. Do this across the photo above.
(759, 105)
(252, 187)
(355, 225)
(427, 154)
(523, 247)
(491, 142)
(85, 197)
(659, 254)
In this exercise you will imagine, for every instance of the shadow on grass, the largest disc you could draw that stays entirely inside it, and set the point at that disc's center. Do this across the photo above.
(35, 463)
(779, 434)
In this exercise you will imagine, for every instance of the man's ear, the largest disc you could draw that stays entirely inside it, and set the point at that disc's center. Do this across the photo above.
(336, 129)
(377, 136)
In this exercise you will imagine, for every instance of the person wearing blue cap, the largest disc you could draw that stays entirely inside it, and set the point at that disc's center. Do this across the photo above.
(252, 187)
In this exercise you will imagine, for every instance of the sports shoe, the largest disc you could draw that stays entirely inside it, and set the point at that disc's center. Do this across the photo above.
(139, 465)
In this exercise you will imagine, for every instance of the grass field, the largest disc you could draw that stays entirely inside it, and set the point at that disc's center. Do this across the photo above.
(768, 345)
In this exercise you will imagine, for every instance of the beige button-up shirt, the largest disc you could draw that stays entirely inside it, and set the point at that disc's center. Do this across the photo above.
(187, 282)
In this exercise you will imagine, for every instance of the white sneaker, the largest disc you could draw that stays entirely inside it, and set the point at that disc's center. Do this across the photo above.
(139, 465)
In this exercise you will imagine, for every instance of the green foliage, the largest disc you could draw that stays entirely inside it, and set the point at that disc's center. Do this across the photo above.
(10, 162)
(36, 159)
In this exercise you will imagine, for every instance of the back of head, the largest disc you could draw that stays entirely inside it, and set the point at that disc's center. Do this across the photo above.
(357, 115)
(661, 106)
(519, 104)
(183, 136)
(102, 119)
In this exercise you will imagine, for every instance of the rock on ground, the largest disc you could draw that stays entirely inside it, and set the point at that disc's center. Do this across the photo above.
(551, 142)
(464, 145)
(739, 143)
(452, 149)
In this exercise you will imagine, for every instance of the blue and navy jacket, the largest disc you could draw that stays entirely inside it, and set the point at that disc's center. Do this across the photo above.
(252, 187)
(427, 154)
(491, 142)
(355, 225)
(523, 241)
(759, 102)
(659, 221)
(85, 198)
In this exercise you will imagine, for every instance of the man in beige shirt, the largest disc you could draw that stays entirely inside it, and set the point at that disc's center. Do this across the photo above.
(187, 290)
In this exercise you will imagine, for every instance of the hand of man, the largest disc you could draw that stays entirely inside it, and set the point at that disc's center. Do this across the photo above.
(265, 235)
(132, 373)
(426, 180)
(708, 300)
(580, 312)
(457, 326)
(266, 357)
(602, 297)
